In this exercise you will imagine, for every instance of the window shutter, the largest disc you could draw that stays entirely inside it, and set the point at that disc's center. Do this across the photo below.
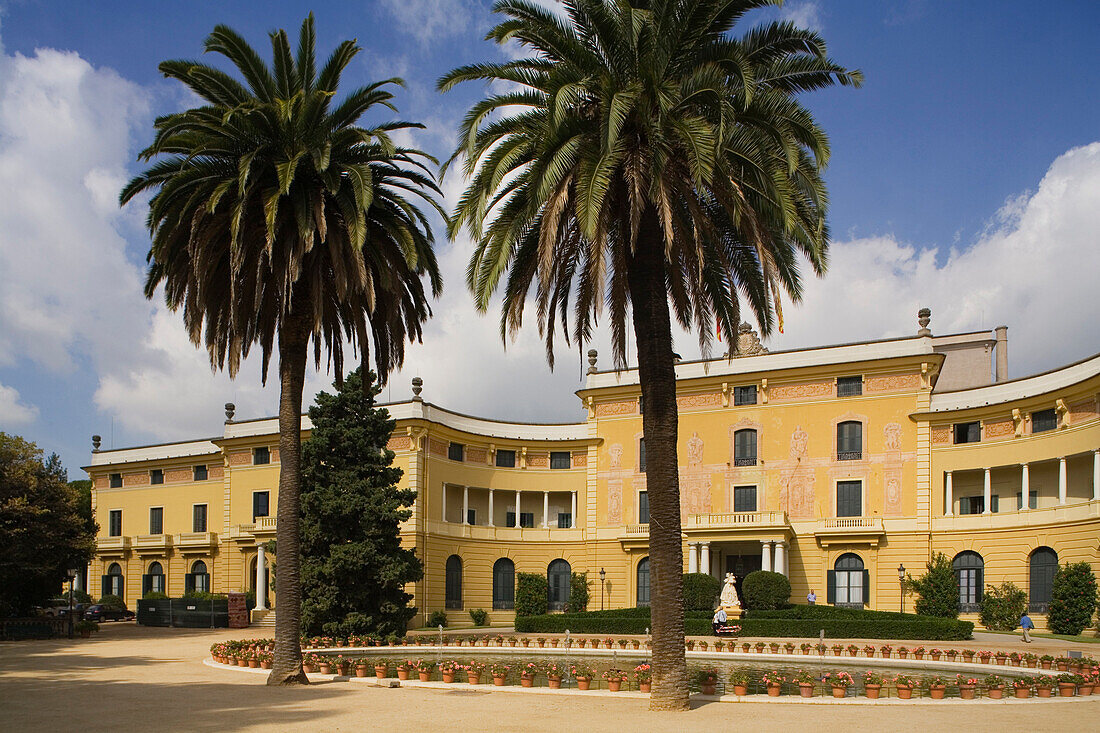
(980, 582)
(188, 583)
(105, 585)
(830, 589)
(866, 586)
(146, 584)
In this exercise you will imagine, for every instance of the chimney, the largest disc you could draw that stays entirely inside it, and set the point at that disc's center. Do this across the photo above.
(1002, 353)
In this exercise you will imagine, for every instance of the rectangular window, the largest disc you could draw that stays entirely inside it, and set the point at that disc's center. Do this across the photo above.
(849, 441)
(1043, 421)
(156, 520)
(560, 459)
(116, 480)
(198, 518)
(744, 448)
(641, 455)
(849, 498)
(527, 519)
(261, 456)
(260, 504)
(994, 503)
(971, 505)
(156, 476)
(744, 498)
(114, 523)
(471, 516)
(744, 395)
(200, 473)
(506, 458)
(1032, 500)
(455, 451)
(968, 432)
(643, 507)
(565, 520)
(849, 386)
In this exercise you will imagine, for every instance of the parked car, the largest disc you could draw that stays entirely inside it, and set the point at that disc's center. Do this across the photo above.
(99, 612)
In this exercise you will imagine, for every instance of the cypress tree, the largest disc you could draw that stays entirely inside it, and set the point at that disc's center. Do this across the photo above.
(354, 570)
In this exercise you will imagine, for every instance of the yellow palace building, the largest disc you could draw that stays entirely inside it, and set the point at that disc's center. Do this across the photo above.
(835, 465)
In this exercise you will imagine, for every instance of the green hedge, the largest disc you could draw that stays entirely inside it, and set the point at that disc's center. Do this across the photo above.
(764, 589)
(834, 612)
(531, 598)
(700, 592)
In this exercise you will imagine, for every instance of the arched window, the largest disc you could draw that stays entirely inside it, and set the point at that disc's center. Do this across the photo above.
(557, 584)
(504, 584)
(643, 582)
(198, 580)
(1044, 563)
(744, 447)
(153, 580)
(970, 571)
(848, 582)
(113, 581)
(453, 591)
(849, 441)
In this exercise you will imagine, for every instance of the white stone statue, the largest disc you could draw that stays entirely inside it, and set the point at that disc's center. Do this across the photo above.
(729, 599)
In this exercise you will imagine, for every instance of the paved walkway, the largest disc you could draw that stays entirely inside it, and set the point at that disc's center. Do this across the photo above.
(129, 678)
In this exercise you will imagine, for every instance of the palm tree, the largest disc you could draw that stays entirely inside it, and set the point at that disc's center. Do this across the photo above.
(276, 220)
(643, 157)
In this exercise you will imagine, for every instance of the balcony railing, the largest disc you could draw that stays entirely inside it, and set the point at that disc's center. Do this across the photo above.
(196, 540)
(849, 455)
(745, 461)
(737, 519)
(152, 542)
(853, 523)
(113, 544)
(637, 529)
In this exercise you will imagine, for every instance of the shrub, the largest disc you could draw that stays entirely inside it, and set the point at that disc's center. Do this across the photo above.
(202, 595)
(766, 590)
(1072, 599)
(578, 592)
(154, 595)
(79, 596)
(479, 616)
(531, 599)
(113, 602)
(700, 591)
(937, 590)
(1002, 607)
(438, 618)
(85, 626)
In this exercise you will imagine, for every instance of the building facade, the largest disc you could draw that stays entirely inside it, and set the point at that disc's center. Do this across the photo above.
(837, 466)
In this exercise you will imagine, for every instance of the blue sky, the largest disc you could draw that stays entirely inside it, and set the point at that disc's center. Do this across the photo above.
(965, 176)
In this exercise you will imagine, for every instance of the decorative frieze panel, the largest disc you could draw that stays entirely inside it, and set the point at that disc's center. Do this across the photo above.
(215, 472)
(999, 429)
(699, 401)
(1082, 411)
(580, 460)
(892, 383)
(477, 455)
(806, 390)
(399, 442)
(612, 409)
(438, 447)
(176, 475)
(240, 458)
(135, 479)
(102, 482)
(941, 435)
(274, 455)
(538, 460)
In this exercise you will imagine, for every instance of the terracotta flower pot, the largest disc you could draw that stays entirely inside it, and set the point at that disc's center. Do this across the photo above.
(774, 690)
(872, 691)
(936, 692)
(342, 670)
(1022, 693)
(473, 678)
(1042, 691)
(1044, 663)
(1085, 690)
(361, 670)
(527, 680)
(968, 658)
(498, 680)
(242, 662)
(448, 677)
(583, 683)
(402, 674)
(308, 668)
(708, 688)
(614, 685)
(1067, 689)
(996, 693)
(267, 665)
(740, 690)
(254, 663)
(966, 692)
(853, 652)
(644, 686)
(511, 642)
(807, 651)
(918, 655)
(1063, 667)
(905, 692)
(635, 643)
(554, 682)
(839, 691)
(935, 657)
(326, 669)
(903, 655)
(424, 676)
(379, 671)
(806, 689)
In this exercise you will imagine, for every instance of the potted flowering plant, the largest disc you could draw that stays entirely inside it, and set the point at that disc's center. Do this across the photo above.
(362, 666)
(448, 669)
(1002, 657)
(839, 681)
(380, 669)
(739, 680)
(512, 641)
(968, 655)
(583, 674)
(806, 647)
(837, 649)
(637, 643)
(498, 640)
(1067, 684)
(554, 642)
(759, 646)
(853, 650)
(719, 645)
(872, 684)
(820, 648)
(1015, 658)
(474, 672)
(309, 663)
(886, 650)
(527, 674)
(904, 684)
(1043, 685)
(918, 653)
(984, 656)
(1021, 687)
(690, 644)
(951, 654)
(643, 676)
(541, 641)
(403, 670)
(903, 652)
(1046, 661)
(994, 686)
(967, 685)
(936, 686)
(773, 681)
(708, 680)
(524, 641)
(1087, 684)
(935, 654)
(774, 646)
(1062, 663)
(789, 647)
(553, 675)
(614, 679)
(499, 671)
(423, 669)
(324, 665)
(703, 645)
(608, 643)
(805, 681)
(869, 651)
(84, 627)
(745, 646)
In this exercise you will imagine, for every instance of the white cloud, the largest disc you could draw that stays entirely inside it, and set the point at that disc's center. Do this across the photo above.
(430, 20)
(12, 411)
(805, 14)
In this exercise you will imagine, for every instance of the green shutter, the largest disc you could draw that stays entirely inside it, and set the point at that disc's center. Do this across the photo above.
(830, 589)
(188, 583)
(866, 586)
(146, 584)
(105, 585)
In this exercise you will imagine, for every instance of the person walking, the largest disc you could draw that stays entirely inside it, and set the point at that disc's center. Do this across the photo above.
(811, 597)
(1026, 625)
(719, 620)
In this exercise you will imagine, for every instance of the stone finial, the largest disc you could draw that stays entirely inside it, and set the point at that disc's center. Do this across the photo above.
(747, 342)
(418, 387)
(230, 411)
(96, 441)
(591, 361)
(924, 316)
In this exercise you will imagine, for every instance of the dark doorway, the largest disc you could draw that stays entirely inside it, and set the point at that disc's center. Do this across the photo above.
(740, 566)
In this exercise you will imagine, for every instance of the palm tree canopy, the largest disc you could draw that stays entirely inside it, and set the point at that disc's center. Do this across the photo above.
(270, 199)
(634, 108)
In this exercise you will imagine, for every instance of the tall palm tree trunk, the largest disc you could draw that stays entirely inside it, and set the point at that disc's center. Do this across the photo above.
(657, 376)
(287, 666)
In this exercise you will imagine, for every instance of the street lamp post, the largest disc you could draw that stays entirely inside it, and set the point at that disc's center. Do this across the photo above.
(901, 584)
(603, 576)
(72, 576)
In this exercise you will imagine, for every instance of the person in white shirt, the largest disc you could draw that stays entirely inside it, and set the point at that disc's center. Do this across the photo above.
(719, 620)
(811, 597)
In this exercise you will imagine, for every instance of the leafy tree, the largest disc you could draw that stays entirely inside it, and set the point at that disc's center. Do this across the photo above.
(643, 158)
(701, 590)
(531, 597)
(277, 220)
(354, 569)
(42, 533)
(766, 591)
(578, 592)
(83, 488)
(937, 590)
(1072, 599)
(1002, 606)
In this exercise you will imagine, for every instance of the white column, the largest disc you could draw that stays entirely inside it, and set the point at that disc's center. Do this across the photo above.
(443, 504)
(1096, 475)
(988, 492)
(781, 557)
(573, 508)
(545, 509)
(693, 557)
(517, 509)
(465, 504)
(948, 496)
(1062, 480)
(261, 591)
(1025, 487)
(704, 557)
(490, 507)
(766, 555)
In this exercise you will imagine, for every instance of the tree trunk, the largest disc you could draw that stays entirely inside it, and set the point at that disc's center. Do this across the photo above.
(287, 666)
(656, 373)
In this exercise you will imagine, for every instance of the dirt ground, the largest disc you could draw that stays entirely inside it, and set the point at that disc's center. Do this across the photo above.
(129, 678)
